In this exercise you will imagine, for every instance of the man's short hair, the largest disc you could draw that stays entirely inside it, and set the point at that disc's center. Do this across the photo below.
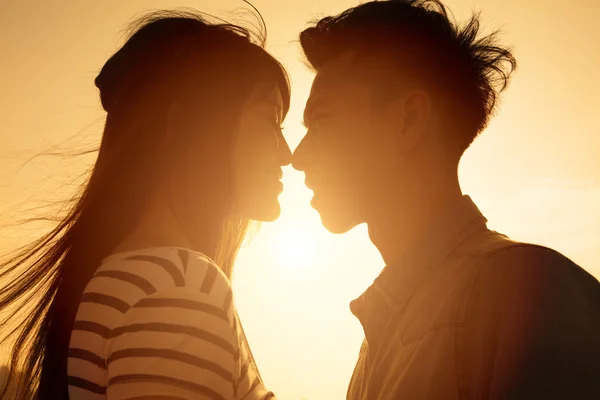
(465, 71)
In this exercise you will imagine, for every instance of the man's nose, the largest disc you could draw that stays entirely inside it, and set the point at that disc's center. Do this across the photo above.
(301, 154)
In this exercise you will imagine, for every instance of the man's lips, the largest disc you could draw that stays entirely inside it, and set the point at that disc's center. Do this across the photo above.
(313, 184)
(309, 184)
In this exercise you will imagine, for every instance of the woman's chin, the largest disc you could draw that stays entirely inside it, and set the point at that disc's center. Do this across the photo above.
(266, 212)
(269, 215)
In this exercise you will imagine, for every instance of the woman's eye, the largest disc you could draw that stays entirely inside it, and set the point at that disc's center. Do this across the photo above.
(274, 122)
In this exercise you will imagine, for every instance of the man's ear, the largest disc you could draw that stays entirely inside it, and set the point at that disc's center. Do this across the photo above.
(409, 115)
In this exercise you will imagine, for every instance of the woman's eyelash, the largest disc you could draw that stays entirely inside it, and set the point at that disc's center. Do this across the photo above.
(275, 123)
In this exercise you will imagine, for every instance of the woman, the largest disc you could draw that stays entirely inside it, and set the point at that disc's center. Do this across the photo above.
(132, 303)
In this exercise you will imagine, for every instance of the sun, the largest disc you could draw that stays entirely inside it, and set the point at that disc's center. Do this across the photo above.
(294, 248)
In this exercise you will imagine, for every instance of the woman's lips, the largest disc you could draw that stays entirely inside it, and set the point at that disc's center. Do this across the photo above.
(277, 185)
(275, 174)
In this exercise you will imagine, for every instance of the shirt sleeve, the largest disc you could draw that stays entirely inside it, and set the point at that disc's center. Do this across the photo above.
(173, 345)
(533, 328)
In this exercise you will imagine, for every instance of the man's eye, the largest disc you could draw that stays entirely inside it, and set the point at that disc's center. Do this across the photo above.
(318, 121)
(321, 117)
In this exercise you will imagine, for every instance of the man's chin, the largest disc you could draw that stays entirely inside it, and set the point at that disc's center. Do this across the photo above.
(335, 221)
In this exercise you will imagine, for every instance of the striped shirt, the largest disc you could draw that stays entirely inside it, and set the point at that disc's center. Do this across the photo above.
(160, 324)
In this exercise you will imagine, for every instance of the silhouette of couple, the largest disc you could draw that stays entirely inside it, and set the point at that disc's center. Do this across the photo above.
(133, 287)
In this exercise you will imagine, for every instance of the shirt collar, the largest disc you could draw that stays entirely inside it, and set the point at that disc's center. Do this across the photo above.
(396, 283)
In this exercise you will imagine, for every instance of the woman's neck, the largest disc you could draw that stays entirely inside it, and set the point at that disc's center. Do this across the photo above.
(159, 227)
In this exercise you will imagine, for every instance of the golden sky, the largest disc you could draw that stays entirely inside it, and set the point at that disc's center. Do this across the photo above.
(535, 172)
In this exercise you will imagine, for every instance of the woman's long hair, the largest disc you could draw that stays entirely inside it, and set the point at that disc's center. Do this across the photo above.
(210, 69)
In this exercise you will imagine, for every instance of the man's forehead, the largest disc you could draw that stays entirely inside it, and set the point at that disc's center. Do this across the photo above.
(333, 72)
(333, 80)
(348, 70)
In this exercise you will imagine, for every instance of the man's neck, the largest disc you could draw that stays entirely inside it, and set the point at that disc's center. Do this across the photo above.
(403, 216)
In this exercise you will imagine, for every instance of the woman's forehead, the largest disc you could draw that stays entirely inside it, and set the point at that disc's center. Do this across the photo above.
(267, 94)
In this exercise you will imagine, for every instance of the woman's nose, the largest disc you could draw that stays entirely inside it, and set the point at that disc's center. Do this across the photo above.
(284, 154)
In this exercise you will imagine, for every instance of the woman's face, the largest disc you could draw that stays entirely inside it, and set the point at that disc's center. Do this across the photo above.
(259, 153)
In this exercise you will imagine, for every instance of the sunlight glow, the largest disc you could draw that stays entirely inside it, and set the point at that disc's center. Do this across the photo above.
(295, 248)
(531, 173)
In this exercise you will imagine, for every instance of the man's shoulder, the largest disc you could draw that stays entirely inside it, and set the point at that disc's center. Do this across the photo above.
(496, 253)
(541, 309)
(518, 268)
(516, 253)
(521, 258)
(484, 242)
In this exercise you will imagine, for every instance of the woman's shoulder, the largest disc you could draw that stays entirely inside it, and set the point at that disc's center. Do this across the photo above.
(162, 269)
(138, 305)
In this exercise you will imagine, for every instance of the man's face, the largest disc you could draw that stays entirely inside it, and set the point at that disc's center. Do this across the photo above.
(346, 150)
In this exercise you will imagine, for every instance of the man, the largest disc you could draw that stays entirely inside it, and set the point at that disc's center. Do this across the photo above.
(459, 311)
